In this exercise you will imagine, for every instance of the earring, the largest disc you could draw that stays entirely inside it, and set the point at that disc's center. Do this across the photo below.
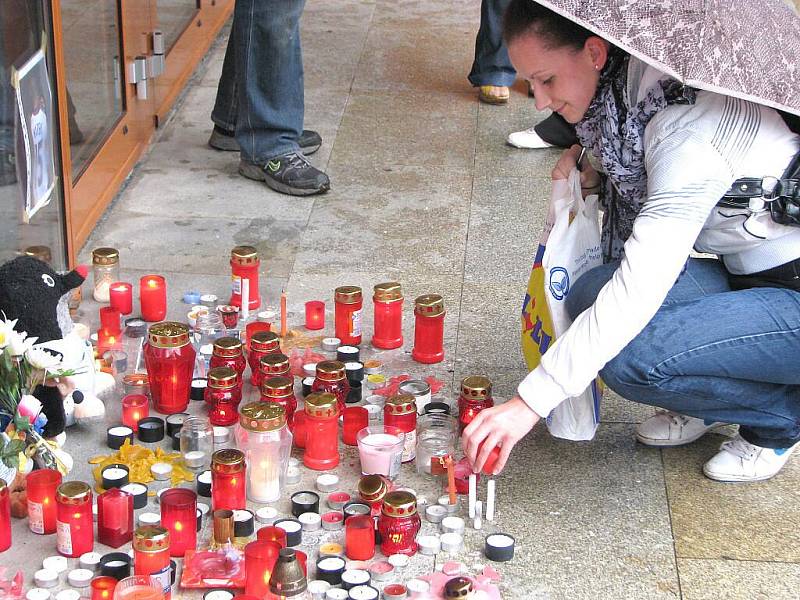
(597, 67)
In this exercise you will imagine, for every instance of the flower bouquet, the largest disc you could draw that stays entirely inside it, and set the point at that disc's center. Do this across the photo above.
(23, 367)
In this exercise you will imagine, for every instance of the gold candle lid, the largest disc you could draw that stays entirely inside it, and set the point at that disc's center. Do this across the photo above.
(73, 492)
(227, 347)
(274, 364)
(265, 341)
(150, 538)
(168, 334)
(222, 378)
(399, 504)
(322, 404)
(262, 416)
(372, 487)
(223, 525)
(459, 587)
(277, 387)
(331, 370)
(347, 294)
(476, 386)
(390, 291)
(227, 460)
(43, 253)
(244, 255)
(429, 305)
(105, 256)
(401, 404)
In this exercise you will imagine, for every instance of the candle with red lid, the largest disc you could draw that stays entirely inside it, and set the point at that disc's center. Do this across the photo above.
(347, 313)
(121, 297)
(428, 329)
(388, 304)
(153, 297)
(179, 516)
(74, 522)
(134, 408)
(315, 315)
(244, 265)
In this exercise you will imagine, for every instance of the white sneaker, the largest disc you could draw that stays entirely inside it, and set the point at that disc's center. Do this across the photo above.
(739, 460)
(527, 139)
(667, 429)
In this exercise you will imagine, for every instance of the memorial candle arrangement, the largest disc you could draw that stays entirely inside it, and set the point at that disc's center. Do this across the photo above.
(388, 308)
(42, 486)
(169, 358)
(476, 395)
(347, 314)
(179, 517)
(428, 329)
(244, 265)
(228, 480)
(74, 522)
(153, 297)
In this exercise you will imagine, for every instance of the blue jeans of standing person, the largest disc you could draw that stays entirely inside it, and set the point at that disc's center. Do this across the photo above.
(260, 93)
(492, 65)
(712, 353)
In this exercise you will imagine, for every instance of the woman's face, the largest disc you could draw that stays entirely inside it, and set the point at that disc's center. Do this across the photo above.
(563, 79)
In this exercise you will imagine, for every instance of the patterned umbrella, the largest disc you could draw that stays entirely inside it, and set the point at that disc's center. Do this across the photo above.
(744, 48)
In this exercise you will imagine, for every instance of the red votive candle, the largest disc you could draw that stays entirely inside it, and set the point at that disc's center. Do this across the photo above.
(244, 265)
(347, 314)
(388, 304)
(5, 517)
(322, 432)
(428, 329)
(134, 408)
(151, 555)
(315, 315)
(359, 537)
(107, 340)
(169, 358)
(153, 297)
(299, 429)
(114, 518)
(110, 320)
(228, 480)
(179, 517)
(259, 561)
(74, 522)
(103, 587)
(121, 297)
(42, 486)
(270, 533)
(354, 419)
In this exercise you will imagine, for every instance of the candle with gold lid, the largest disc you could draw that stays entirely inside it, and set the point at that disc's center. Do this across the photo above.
(281, 391)
(399, 523)
(388, 306)
(348, 302)
(266, 442)
(228, 485)
(428, 329)
(262, 343)
(244, 265)
(105, 268)
(400, 411)
(331, 376)
(74, 522)
(476, 395)
(169, 358)
(223, 396)
(151, 555)
(228, 352)
(322, 431)
(275, 365)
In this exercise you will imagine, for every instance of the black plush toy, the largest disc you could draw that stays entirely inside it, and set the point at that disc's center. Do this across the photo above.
(37, 296)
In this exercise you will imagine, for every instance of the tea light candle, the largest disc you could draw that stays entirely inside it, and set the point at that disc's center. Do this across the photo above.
(429, 544)
(499, 547)
(330, 344)
(381, 570)
(399, 561)
(68, 595)
(330, 569)
(194, 459)
(266, 515)
(139, 493)
(418, 586)
(315, 315)
(116, 436)
(293, 529)
(332, 521)
(243, 523)
(153, 297)
(331, 549)
(222, 436)
(80, 578)
(337, 594)
(337, 500)
(317, 588)
(353, 577)
(57, 564)
(435, 513)
(116, 565)
(303, 502)
(363, 592)
(89, 561)
(218, 595)
(327, 482)
(395, 591)
(198, 391)
(121, 297)
(45, 578)
(451, 542)
(209, 300)
(310, 521)
(115, 476)
(148, 518)
(204, 484)
(175, 422)
(161, 471)
(452, 524)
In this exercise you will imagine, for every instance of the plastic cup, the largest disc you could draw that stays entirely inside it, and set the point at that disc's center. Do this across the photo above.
(380, 449)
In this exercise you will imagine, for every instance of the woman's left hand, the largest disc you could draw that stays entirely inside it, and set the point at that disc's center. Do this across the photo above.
(503, 425)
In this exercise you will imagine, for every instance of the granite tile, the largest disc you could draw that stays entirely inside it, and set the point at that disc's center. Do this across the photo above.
(755, 580)
(444, 13)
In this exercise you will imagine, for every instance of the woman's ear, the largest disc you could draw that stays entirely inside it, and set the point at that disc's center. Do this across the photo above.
(597, 49)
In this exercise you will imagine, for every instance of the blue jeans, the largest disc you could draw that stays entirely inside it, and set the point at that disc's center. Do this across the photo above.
(492, 65)
(260, 93)
(712, 353)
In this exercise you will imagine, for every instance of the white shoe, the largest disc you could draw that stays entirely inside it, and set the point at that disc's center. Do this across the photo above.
(527, 139)
(666, 429)
(739, 460)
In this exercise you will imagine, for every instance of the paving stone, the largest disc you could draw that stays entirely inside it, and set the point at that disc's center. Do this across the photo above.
(713, 579)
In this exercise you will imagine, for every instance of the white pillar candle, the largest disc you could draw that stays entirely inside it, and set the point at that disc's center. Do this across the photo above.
(473, 494)
(490, 500)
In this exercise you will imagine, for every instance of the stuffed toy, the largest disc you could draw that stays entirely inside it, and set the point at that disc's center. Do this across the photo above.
(37, 296)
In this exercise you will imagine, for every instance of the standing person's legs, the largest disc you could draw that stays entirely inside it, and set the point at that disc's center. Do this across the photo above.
(492, 66)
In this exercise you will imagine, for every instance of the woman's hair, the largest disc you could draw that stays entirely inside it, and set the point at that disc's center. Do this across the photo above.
(526, 16)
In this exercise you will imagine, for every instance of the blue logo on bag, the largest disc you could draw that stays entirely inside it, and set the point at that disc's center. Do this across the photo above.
(559, 282)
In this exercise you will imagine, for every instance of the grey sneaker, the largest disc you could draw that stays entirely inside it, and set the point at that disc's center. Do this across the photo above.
(222, 139)
(288, 174)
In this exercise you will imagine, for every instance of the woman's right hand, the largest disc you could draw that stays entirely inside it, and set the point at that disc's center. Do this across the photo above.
(590, 180)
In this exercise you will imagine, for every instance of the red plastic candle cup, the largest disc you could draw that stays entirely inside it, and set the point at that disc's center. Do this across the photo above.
(107, 340)
(347, 314)
(491, 460)
(322, 432)
(244, 265)
(121, 297)
(114, 518)
(228, 480)
(270, 533)
(151, 555)
(388, 311)
(110, 320)
(5, 517)
(169, 358)
(428, 329)
(359, 537)
(134, 408)
(179, 517)
(299, 429)
(74, 522)
(355, 418)
(259, 561)
(315, 315)
(103, 587)
(42, 486)
(153, 297)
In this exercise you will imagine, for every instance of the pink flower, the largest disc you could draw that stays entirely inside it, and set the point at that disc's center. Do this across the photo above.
(29, 407)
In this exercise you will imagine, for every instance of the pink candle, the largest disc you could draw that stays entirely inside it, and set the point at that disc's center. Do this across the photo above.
(121, 297)
(315, 314)
(380, 449)
(107, 340)
(153, 297)
(134, 408)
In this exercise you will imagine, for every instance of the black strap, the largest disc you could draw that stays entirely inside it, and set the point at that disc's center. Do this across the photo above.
(769, 188)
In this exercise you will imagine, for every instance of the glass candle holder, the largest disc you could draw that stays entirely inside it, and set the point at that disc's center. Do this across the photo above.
(380, 450)
(274, 365)
(134, 408)
(223, 396)
(228, 352)
(138, 587)
(476, 395)
(228, 480)
(197, 443)
(322, 432)
(170, 365)
(121, 297)
(387, 301)
(266, 442)
(348, 302)
(270, 533)
(103, 587)
(244, 265)
(359, 537)
(315, 315)
(153, 298)
(401, 412)
(5, 517)
(41, 487)
(428, 329)
(259, 561)
(399, 524)
(74, 521)
(280, 390)
(151, 555)
(179, 517)
(114, 518)
(261, 343)
(105, 269)
(331, 376)
(436, 437)
(136, 383)
(110, 320)
(354, 419)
